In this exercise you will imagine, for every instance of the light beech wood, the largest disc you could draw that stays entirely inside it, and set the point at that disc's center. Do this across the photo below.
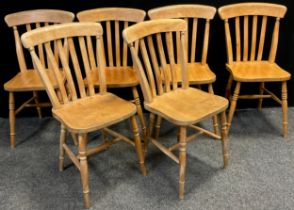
(28, 80)
(81, 108)
(119, 73)
(165, 96)
(252, 65)
(198, 71)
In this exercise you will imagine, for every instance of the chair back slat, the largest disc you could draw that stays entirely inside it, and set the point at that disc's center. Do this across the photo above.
(238, 39)
(70, 83)
(115, 20)
(254, 17)
(195, 16)
(262, 38)
(30, 19)
(91, 53)
(158, 57)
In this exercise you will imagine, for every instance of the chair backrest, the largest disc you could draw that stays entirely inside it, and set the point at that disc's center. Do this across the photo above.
(113, 20)
(30, 19)
(196, 16)
(157, 50)
(71, 85)
(239, 17)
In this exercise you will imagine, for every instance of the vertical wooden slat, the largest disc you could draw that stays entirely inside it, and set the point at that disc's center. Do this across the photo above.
(19, 50)
(228, 42)
(205, 42)
(101, 64)
(238, 39)
(66, 69)
(194, 40)
(171, 57)
(253, 38)
(185, 82)
(40, 49)
(57, 73)
(245, 40)
(117, 44)
(50, 90)
(262, 38)
(76, 66)
(125, 48)
(91, 53)
(148, 67)
(109, 43)
(86, 65)
(163, 62)
(140, 72)
(187, 37)
(155, 65)
(178, 44)
(274, 44)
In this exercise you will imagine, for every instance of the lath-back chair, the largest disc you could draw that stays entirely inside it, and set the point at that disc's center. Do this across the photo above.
(27, 80)
(163, 95)
(78, 107)
(247, 29)
(197, 41)
(119, 70)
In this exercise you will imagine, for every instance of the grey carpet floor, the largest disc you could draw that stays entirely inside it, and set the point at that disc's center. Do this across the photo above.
(260, 175)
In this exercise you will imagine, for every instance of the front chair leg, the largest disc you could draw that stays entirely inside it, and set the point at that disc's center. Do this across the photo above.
(224, 139)
(285, 108)
(12, 119)
(182, 161)
(157, 127)
(138, 145)
(149, 131)
(84, 168)
(139, 110)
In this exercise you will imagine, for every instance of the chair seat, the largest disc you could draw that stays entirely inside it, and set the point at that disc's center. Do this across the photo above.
(197, 73)
(92, 113)
(28, 81)
(117, 77)
(187, 106)
(257, 71)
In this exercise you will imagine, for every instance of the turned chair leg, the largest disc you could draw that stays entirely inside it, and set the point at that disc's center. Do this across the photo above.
(139, 110)
(61, 148)
(12, 119)
(74, 139)
(233, 104)
(214, 118)
(149, 131)
(138, 145)
(84, 168)
(224, 139)
(285, 108)
(261, 90)
(182, 161)
(36, 98)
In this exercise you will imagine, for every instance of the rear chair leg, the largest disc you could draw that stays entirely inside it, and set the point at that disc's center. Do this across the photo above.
(139, 110)
(61, 149)
(233, 104)
(36, 96)
(214, 118)
(261, 90)
(149, 131)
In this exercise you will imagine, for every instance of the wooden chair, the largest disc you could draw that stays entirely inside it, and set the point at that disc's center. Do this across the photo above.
(27, 80)
(78, 108)
(119, 71)
(199, 72)
(251, 63)
(163, 95)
